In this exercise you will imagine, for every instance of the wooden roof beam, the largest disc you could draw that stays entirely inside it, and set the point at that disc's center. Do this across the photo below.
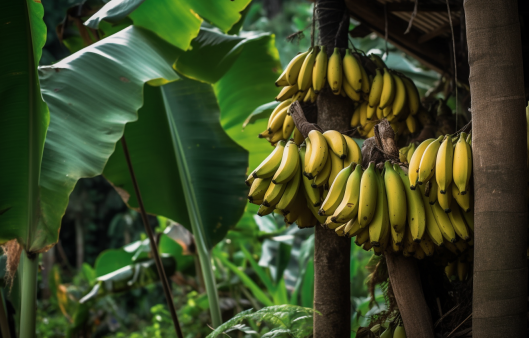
(409, 6)
(431, 54)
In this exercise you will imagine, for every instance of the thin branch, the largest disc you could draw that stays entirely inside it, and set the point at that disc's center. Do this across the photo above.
(457, 327)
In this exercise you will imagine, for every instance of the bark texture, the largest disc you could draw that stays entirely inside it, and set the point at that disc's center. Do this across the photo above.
(332, 253)
(500, 169)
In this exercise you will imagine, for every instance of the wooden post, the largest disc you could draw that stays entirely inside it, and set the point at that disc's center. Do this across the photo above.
(500, 168)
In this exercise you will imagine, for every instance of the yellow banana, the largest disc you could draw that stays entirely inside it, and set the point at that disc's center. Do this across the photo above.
(363, 114)
(306, 219)
(336, 142)
(314, 210)
(288, 199)
(354, 153)
(276, 123)
(306, 98)
(352, 71)
(443, 221)
(305, 73)
(275, 137)
(445, 200)
(334, 71)
(289, 164)
(411, 123)
(362, 237)
(269, 166)
(298, 96)
(396, 197)
(380, 222)
(462, 200)
(409, 245)
(380, 113)
(340, 231)
(432, 229)
(336, 193)
(319, 74)
(312, 194)
(388, 90)
(355, 119)
(444, 165)
(376, 89)
(319, 153)
(427, 245)
(273, 194)
(416, 208)
(432, 195)
(308, 154)
(400, 95)
(336, 166)
(402, 154)
(293, 68)
(264, 210)
(388, 113)
(366, 84)
(427, 164)
(348, 207)
(313, 96)
(458, 222)
(415, 161)
(298, 138)
(287, 92)
(258, 189)
(411, 150)
(282, 80)
(295, 210)
(323, 177)
(371, 111)
(249, 180)
(368, 195)
(280, 107)
(349, 91)
(462, 164)
(353, 228)
(397, 237)
(288, 127)
(412, 95)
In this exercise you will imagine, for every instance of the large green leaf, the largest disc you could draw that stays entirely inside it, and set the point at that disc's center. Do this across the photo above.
(177, 22)
(248, 84)
(92, 95)
(212, 54)
(179, 127)
(24, 117)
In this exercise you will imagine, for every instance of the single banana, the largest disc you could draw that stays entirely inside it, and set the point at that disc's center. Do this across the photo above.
(249, 180)
(269, 166)
(378, 61)
(293, 68)
(264, 210)
(443, 221)
(379, 225)
(416, 208)
(388, 113)
(258, 189)
(329, 224)
(336, 166)
(312, 194)
(288, 127)
(354, 153)
(368, 195)
(397, 237)
(402, 154)
(412, 93)
(308, 154)
(336, 193)
(340, 231)
(411, 150)
(371, 111)
(427, 164)
(276, 123)
(305, 73)
(432, 228)
(458, 222)
(352, 71)
(366, 83)
(444, 164)
(400, 95)
(355, 119)
(282, 80)
(427, 245)
(334, 71)
(336, 143)
(306, 98)
(287, 92)
(411, 123)
(353, 228)
(362, 237)
(348, 207)
(445, 200)
(280, 107)
(462, 200)
(434, 190)
(376, 89)
(288, 199)
(415, 161)
(380, 113)
(275, 137)
(273, 194)
(349, 91)
(319, 74)
(462, 164)
(323, 177)
(298, 138)
(388, 90)
(363, 114)
(289, 166)
(396, 197)
(319, 153)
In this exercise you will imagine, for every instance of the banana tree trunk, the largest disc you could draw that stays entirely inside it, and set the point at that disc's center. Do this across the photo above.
(500, 168)
(332, 253)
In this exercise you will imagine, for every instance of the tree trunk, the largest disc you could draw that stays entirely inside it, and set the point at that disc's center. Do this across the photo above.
(500, 168)
(79, 242)
(332, 253)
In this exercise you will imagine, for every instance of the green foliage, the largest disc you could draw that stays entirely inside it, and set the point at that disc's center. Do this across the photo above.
(282, 320)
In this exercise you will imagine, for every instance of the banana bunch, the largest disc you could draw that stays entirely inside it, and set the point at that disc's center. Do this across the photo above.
(292, 180)
(281, 125)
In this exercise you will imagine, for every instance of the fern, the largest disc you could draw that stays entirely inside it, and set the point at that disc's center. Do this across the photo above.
(283, 321)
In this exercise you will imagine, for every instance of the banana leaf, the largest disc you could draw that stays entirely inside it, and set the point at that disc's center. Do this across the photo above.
(130, 277)
(177, 22)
